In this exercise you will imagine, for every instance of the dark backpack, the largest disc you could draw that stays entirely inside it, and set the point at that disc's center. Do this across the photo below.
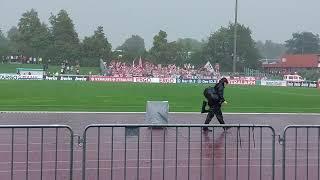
(209, 91)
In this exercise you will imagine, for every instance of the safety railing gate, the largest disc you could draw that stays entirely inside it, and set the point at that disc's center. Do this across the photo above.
(180, 151)
(301, 152)
(36, 152)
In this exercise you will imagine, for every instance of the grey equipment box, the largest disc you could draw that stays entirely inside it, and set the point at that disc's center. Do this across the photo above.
(157, 112)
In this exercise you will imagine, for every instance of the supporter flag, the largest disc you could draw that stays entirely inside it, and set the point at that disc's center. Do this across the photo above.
(140, 62)
(133, 62)
(209, 67)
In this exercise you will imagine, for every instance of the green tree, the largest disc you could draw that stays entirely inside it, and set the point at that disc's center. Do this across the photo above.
(192, 50)
(95, 47)
(310, 75)
(33, 37)
(4, 45)
(13, 35)
(132, 48)
(160, 40)
(271, 50)
(66, 44)
(219, 48)
(198, 58)
(157, 51)
(190, 44)
(162, 52)
(303, 43)
(175, 54)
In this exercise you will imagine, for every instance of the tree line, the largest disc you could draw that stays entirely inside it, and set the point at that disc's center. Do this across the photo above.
(59, 41)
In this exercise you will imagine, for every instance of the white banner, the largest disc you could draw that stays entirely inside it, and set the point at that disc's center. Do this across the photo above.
(110, 79)
(273, 83)
(31, 77)
(142, 80)
(168, 80)
(242, 82)
(20, 77)
(9, 77)
(154, 80)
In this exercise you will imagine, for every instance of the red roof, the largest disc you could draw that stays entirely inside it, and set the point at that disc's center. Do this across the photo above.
(297, 61)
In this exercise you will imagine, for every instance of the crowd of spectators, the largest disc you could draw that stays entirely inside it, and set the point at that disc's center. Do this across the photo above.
(148, 69)
(21, 59)
(136, 69)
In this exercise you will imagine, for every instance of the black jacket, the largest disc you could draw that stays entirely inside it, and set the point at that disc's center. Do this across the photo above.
(219, 88)
(215, 93)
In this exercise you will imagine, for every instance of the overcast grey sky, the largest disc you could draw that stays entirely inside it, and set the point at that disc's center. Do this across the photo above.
(269, 19)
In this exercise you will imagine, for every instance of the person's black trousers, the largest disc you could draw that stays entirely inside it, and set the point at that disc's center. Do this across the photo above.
(215, 109)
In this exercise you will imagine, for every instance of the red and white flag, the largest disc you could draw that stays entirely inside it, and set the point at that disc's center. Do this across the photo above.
(140, 62)
(209, 67)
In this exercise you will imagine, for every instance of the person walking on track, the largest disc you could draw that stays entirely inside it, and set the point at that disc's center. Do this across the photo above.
(215, 98)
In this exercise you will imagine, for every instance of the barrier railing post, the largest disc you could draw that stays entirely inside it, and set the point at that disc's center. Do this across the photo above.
(284, 155)
(84, 146)
(12, 150)
(176, 164)
(318, 153)
(27, 156)
(56, 156)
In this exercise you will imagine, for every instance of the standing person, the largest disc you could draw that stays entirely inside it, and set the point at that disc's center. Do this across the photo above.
(215, 97)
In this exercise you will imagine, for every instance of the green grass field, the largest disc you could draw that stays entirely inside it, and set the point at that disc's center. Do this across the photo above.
(128, 97)
(11, 68)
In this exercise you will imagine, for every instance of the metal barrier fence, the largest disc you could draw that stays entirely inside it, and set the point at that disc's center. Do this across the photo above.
(179, 151)
(301, 152)
(33, 152)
